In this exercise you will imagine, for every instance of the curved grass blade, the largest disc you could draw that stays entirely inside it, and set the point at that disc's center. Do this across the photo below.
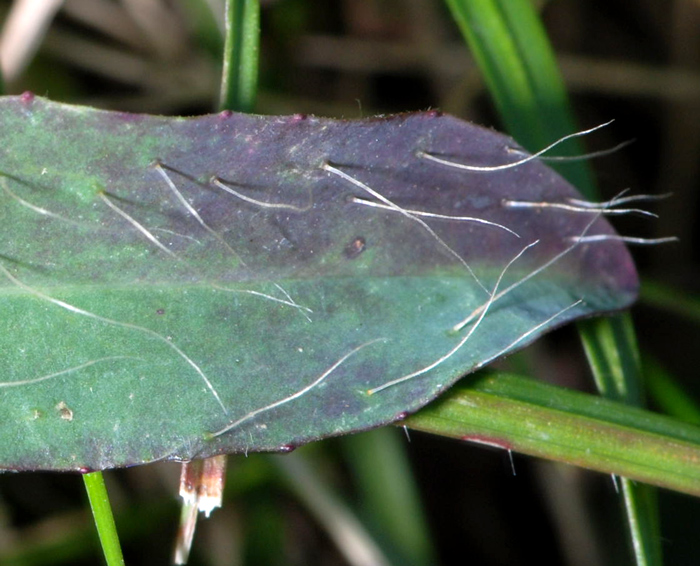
(672, 300)
(668, 393)
(350, 536)
(613, 354)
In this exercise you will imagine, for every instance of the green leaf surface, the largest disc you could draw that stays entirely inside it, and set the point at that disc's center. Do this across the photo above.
(176, 288)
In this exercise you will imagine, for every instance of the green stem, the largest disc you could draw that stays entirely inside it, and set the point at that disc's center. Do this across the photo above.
(239, 82)
(547, 421)
(613, 354)
(104, 520)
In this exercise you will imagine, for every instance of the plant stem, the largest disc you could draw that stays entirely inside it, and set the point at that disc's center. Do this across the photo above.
(547, 421)
(239, 82)
(104, 520)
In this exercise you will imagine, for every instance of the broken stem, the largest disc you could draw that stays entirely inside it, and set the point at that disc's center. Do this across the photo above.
(201, 489)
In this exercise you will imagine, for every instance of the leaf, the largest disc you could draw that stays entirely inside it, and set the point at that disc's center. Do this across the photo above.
(176, 288)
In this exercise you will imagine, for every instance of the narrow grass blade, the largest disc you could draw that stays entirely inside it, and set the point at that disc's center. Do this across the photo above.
(104, 520)
(611, 348)
(38, 544)
(240, 72)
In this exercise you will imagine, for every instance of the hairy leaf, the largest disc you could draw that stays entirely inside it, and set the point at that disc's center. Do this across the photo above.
(174, 288)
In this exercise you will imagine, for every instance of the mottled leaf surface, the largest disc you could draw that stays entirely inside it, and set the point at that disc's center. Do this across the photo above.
(174, 288)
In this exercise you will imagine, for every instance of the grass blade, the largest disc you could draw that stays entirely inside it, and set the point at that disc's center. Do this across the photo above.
(611, 348)
(671, 300)
(512, 50)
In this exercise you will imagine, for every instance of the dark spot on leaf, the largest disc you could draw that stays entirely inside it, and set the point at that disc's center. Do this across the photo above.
(355, 247)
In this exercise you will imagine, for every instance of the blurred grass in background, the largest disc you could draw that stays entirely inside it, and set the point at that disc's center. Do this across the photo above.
(637, 62)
